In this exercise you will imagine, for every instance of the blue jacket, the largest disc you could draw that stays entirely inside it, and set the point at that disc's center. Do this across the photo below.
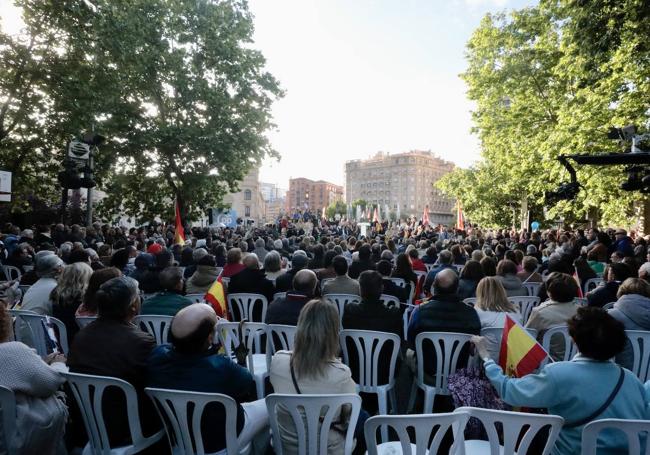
(432, 275)
(585, 385)
(206, 372)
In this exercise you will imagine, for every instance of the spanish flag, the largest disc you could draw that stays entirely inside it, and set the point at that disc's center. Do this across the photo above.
(520, 353)
(460, 218)
(179, 232)
(216, 296)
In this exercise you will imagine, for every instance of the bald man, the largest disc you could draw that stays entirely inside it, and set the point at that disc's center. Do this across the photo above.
(444, 312)
(191, 363)
(252, 280)
(286, 310)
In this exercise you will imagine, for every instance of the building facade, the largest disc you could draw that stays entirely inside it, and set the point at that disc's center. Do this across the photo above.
(403, 182)
(274, 200)
(306, 194)
(248, 201)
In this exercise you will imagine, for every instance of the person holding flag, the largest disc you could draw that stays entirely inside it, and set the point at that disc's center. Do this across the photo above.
(589, 387)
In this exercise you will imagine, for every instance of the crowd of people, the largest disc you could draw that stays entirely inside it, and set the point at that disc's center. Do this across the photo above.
(115, 274)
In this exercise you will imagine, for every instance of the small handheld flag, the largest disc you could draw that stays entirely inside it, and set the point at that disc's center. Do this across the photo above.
(520, 353)
(179, 232)
(216, 296)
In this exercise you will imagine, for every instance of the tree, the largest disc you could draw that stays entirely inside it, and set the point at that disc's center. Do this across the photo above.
(336, 207)
(175, 86)
(540, 92)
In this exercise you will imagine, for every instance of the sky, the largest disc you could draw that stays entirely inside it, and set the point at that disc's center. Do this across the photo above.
(362, 76)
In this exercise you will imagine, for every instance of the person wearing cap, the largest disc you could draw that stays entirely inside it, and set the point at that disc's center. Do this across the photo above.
(623, 243)
(205, 275)
(192, 363)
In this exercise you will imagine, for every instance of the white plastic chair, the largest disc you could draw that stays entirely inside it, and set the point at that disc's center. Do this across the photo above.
(429, 267)
(525, 305)
(447, 348)
(323, 282)
(570, 348)
(423, 427)
(225, 280)
(340, 300)
(258, 360)
(496, 333)
(88, 391)
(470, 301)
(459, 268)
(635, 431)
(246, 304)
(592, 284)
(37, 326)
(196, 298)
(640, 341)
(368, 344)
(279, 295)
(580, 301)
(532, 288)
(155, 324)
(11, 272)
(181, 413)
(312, 417)
(511, 424)
(389, 301)
(406, 318)
(8, 418)
(284, 334)
(83, 321)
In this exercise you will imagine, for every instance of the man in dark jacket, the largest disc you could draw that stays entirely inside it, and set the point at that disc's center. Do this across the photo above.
(363, 263)
(402, 293)
(113, 346)
(284, 282)
(191, 363)
(445, 261)
(286, 311)
(615, 274)
(252, 280)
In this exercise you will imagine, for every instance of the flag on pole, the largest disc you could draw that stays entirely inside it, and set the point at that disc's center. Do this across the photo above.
(520, 353)
(216, 296)
(375, 217)
(179, 232)
(323, 215)
(425, 216)
(460, 218)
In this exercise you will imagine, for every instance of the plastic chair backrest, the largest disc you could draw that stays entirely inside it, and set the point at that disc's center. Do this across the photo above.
(155, 324)
(570, 349)
(36, 324)
(181, 413)
(196, 298)
(532, 288)
(279, 295)
(470, 301)
(324, 281)
(429, 267)
(447, 349)
(8, 416)
(592, 284)
(422, 427)
(312, 417)
(389, 301)
(525, 305)
(228, 333)
(640, 341)
(11, 272)
(83, 321)
(634, 430)
(401, 282)
(341, 300)
(368, 345)
(511, 427)
(246, 304)
(284, 334)
(406, 318)
(88, 391)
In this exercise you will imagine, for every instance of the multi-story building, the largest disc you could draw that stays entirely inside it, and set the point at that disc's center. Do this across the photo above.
(248, 201)
(313, 195)
(274, 199)
(403, 182)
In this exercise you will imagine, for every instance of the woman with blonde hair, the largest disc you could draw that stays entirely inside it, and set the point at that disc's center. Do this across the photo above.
(492, 305)
(69, 294)
(313, 368)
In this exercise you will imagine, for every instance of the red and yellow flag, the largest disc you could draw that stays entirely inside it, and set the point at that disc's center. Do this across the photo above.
(179, 232)
(460, 218)
(520, 353)
(216, 296)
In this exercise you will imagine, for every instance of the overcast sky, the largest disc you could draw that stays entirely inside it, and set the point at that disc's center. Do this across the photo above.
(362, 76)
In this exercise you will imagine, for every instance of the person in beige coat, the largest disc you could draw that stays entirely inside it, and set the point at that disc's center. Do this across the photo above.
(316, 370)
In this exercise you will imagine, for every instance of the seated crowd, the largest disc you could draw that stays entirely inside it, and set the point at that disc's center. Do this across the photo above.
(402, 280)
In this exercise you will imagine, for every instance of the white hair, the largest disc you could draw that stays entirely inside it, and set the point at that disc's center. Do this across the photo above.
(644, 270)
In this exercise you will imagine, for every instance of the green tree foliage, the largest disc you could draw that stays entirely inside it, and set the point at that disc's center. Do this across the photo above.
(359, 202)
(550, 80)
(336, 207)
(175, 86)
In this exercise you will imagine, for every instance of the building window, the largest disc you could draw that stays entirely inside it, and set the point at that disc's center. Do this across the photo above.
(247, 210)
(248, 195)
